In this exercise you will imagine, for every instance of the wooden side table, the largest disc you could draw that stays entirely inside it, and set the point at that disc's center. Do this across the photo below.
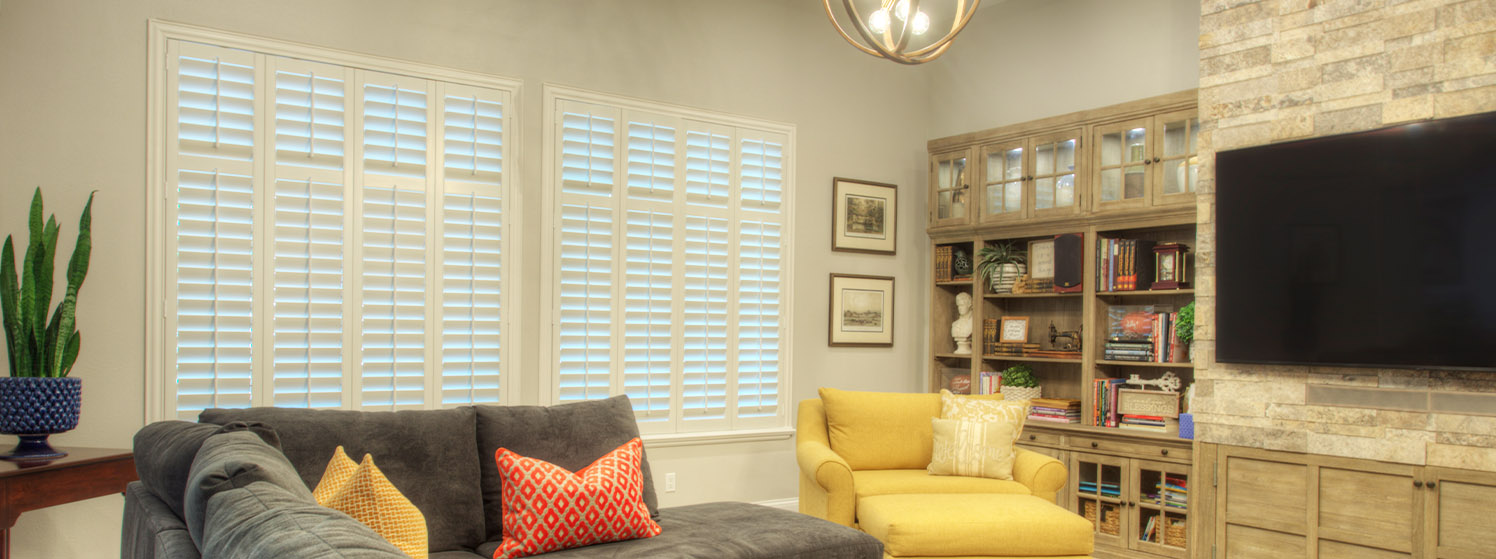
(84, 473)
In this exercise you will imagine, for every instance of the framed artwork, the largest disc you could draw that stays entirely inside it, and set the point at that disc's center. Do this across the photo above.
(861, 311)
(1041, 260)
(1014, 330)
(863, 216)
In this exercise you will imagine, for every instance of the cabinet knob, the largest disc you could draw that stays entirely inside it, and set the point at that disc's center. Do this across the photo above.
(1418, 483)
(1155, 160)
(1165, 452)
(1094, 444)
(1147, 161)
(1132, 504)
(1032, 437)
(1431, 484)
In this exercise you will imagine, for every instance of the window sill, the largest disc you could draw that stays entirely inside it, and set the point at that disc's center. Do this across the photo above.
(666, 440)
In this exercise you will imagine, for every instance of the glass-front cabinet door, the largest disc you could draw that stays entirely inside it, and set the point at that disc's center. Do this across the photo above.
(1160, 520)
(1004, 177)
(1099, 495)
(1054, 177)
(950, 188)
(1175, 159)
(1122, 161)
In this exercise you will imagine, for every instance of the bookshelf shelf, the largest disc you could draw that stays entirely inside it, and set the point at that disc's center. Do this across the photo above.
(954, 283)
(1032, 295)
(1030, 359)
(1145, 293)
(1171, 435)
(1146, 364)
(955, 355)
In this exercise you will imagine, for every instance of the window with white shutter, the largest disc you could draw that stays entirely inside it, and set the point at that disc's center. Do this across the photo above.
(333, 228)
(669, 230)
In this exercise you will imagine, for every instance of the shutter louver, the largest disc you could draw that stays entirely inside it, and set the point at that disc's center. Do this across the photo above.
(586, 302)
(708, 163)
(394, 127)
(651, 162)
(394, 298)
(762, 174)
(648, 280)
(704, 360)
(214, 225)
(587, 154)
(758, 318)
(471, 284)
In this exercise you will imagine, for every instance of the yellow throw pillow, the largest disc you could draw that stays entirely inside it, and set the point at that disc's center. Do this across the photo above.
(339, 470)
(972, 448)
(985, 410)
(370, 498)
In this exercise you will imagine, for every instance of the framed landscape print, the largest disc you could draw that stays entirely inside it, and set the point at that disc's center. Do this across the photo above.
(861, 311)
(863, 216)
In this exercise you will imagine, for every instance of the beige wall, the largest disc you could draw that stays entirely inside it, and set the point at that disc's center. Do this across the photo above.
(1287, 69)
(1020, 60)
(73, 117)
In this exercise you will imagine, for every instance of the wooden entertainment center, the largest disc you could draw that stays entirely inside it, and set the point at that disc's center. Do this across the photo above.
(1120, 172)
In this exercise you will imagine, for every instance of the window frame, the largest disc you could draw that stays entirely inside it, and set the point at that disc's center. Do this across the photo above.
(765, 428)
(161, 343)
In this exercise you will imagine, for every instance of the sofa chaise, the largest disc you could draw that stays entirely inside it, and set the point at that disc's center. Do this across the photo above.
(441, 460)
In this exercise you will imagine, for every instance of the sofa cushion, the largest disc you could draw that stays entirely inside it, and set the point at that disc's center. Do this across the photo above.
(266, 521)
(974, 525)
(972, 448)
(164, 451)
(871, 483)
(547, 507)
(567, 435)
(732, 531)
(428, 454)
(230, 460)
(977, 408)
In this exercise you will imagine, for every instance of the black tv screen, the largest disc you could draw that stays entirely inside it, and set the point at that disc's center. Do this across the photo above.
(1371, 249)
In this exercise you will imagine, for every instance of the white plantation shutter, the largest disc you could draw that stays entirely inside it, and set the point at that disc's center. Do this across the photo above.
(665, 291)
(472, 128)
(334, 235)
(210, 175)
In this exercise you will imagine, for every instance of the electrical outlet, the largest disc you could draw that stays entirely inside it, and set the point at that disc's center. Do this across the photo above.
(670, 482)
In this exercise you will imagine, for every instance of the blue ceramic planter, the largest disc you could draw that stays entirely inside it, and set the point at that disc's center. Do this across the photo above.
(34, 408)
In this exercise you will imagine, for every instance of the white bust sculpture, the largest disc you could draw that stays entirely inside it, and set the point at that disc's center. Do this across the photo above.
(961, 327)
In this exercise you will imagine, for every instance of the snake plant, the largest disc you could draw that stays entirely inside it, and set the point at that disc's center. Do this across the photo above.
(35, 347)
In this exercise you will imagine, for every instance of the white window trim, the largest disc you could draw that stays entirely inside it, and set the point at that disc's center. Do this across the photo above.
(548, 392)
(159, 343)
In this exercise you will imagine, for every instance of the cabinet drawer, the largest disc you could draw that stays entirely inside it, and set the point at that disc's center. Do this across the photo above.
(1133, 449)
(1039, 438)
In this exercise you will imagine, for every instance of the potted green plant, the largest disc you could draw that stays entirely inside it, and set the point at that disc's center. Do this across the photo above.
(38, 399)
(1184, 328)
(1019, 383)
(1001, 264)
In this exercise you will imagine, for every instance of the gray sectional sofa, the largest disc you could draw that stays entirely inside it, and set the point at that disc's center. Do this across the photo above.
(236, 485)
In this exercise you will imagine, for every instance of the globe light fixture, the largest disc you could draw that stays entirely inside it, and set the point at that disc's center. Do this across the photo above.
(899, 30)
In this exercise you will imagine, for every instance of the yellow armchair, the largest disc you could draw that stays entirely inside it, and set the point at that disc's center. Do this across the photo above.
(828, 483)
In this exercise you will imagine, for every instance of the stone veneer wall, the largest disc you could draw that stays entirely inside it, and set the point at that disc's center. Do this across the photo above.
(1274, 70)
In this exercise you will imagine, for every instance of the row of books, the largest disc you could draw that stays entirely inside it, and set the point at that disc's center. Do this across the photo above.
(1104, 397)
(992, 346)
(943, 263)
(1124, 264)
(1054, 410)
(1153, 530)
(1104, 489)
(1171, 492)
(1145, 336)
(989, 382)
(1143, 423)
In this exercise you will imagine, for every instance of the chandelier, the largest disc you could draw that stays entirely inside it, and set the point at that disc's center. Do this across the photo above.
(898, 29)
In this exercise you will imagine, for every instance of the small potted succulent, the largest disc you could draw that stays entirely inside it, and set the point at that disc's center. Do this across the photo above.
(1001, 264)
(38, 399)
(1019, 383)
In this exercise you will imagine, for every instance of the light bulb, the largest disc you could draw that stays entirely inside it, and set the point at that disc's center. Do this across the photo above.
(878, 22)
(901, 9)
(921, 23)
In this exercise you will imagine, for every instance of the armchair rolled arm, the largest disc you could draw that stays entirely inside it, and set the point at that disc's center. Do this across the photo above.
(826, 489)
(1043, 475)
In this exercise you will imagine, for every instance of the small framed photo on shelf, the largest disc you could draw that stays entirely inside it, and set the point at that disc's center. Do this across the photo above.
(1040, 266)
(1013, 330)
(1171, 266)
(863, 216)
(861, 311)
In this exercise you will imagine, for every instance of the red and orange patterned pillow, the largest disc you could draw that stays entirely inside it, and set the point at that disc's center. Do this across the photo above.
(547, 507)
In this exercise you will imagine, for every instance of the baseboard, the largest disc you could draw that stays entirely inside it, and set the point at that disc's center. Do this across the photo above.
(792, 505)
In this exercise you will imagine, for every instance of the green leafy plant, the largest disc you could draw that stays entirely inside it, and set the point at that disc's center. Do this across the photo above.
(991, 258)
(35, 347)
(1019, 376)
(1184, 325)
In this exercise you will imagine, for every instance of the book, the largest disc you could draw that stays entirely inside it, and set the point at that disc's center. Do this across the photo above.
(943, 263)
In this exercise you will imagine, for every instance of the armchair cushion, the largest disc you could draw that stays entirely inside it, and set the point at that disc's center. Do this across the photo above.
(873, 483)
(880, 430)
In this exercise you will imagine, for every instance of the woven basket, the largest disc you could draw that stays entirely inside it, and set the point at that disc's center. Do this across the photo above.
(1090, 512)
(1111, 525)
(1174, 534)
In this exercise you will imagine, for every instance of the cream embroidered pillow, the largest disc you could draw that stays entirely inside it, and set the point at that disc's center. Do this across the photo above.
(972, 448)
(985, 410)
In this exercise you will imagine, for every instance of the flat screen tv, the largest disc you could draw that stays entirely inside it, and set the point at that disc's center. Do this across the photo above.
(1370, 249)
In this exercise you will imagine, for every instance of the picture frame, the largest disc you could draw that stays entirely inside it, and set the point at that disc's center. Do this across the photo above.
(1013, 330)
(1041, 260)
(860, 312)
(863, 216)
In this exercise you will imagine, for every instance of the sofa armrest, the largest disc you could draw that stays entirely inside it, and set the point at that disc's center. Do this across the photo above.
(1043, 475)
(826, 489)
